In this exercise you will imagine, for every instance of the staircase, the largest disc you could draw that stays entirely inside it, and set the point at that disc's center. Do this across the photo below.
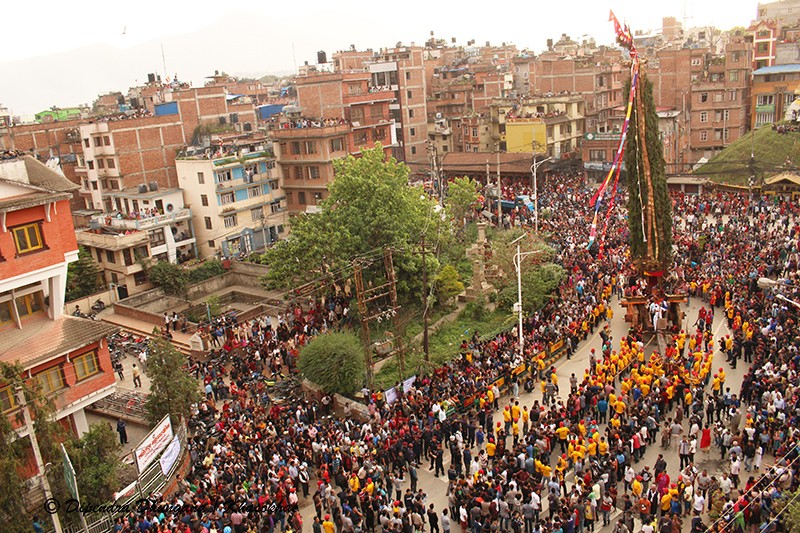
(141, 328)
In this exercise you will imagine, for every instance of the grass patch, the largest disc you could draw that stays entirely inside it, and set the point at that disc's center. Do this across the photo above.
(443, 342)
(770, 148)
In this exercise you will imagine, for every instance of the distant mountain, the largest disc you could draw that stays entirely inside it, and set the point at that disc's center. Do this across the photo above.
(77, 76)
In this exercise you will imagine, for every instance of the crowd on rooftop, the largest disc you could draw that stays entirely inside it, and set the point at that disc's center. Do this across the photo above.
(567, 463)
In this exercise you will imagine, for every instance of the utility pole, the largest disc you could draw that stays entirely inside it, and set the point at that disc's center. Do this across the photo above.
(362, 311)
(425, 347)
(534, 168)
(37, 454)
(499, 191)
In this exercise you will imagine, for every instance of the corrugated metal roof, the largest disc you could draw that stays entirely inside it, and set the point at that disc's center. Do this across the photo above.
(778, 69)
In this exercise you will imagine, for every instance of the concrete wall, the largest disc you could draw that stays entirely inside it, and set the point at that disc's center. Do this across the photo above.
(108, 297)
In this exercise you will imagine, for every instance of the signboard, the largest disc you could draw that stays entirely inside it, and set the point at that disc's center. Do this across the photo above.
(69, 473)
(153, 443)
(602, 136)
(170, 456)
(390, 395)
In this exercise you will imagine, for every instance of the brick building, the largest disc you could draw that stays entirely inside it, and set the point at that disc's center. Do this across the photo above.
(774, 90)
(67, 356)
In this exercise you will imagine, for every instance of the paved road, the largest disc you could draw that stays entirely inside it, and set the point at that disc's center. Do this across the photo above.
(436, 488)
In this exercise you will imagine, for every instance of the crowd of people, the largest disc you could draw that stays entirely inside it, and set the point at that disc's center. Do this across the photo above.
(566, 463)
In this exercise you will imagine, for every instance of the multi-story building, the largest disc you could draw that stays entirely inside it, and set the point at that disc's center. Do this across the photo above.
(765, 39)
(67, 356)
(720, 100)
(233, 189)
(143, 223)
(774, 90)
(546, 124)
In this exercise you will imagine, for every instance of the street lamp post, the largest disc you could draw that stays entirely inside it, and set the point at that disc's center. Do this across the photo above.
(534, 168)
(518, 306)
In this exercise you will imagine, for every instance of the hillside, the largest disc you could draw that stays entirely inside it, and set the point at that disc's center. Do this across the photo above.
(771, 150)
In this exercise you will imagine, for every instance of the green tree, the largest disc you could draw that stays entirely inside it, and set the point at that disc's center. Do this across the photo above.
(370, 206)
(334, 361)
(638, 190)
(95, 457)
(462, 196)
(83, 276)
(170, 277)
(14, 450)
(448, 284)
(503, 256)
(172, 389)
(538, 285)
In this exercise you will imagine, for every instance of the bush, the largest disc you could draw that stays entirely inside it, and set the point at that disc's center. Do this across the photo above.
(207, 270)
(475, 310)
(334, 361)
(172, 278)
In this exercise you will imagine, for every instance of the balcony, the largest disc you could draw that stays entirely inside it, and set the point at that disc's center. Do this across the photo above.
(379, 95)
(110, 241)
(112, 221)
(248, 181)
(308, 133)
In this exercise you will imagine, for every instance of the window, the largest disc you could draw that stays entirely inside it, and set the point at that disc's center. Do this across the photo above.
(762, 34)
(140, 278)
(295, 148)
(696, 61)
(313, 173)
(224, 175)
(110, 163)
(5, 312)
(412, 132)
(110, 256)
(378, 134)
(8, 399)
(28, 238)
(90, 164)
(717, 135)
(597, 155)
(226, 198)
(704, 116)
(127, 257)
(733, 75)
(86, 143)
(275, 207)
(408, 75)
(253, 192)
(30, 304)
(51, 380)
(317, 197)
(409, 95)
(230, 221)
(298, 172)
(337, 145)
(106, 140)
(86, 365)
(735, 57)
(99, 255)
(474, 132)
(703, 135)
(257, 214)
(211, 244)
(765, 99)
(410, 113)
(732, 95)
(301, 197)
(703, 97)
(414, 150)
(101, 164)
(204, 200)
(289, 197)
(790, 97)
(201, 178)
(310, 147)
(98, 141)
(208, 222)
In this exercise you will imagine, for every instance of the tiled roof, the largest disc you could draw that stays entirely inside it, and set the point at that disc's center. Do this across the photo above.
(44, 184)
(39, 341)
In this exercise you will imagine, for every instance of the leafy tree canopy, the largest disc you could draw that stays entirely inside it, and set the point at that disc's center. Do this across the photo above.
(170, 277)
(334, 361)
(370, 206)
(538, 285)
(172, 390)
(462, 196)
(448, 284)
(83, 276)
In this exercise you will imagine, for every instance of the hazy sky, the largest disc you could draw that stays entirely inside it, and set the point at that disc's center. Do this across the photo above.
(268, 36)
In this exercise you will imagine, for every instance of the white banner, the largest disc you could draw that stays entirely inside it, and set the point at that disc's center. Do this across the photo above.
(153, 443)
(390, 395)
(126, 492)
(170, 456)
